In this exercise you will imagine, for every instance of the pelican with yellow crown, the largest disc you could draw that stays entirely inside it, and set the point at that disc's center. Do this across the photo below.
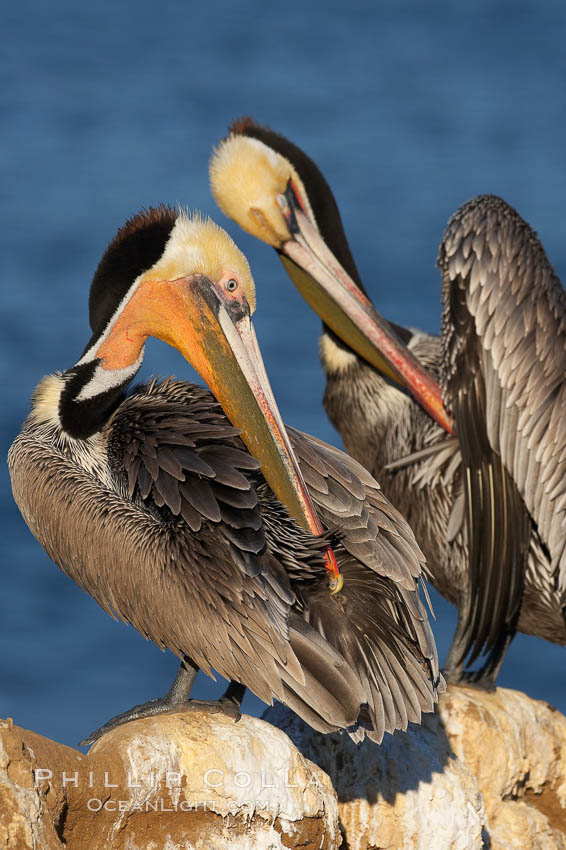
(488, 508)
(273, 559)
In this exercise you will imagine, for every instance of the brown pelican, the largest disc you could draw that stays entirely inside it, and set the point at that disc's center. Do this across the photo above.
(489, 481)
(151, 502)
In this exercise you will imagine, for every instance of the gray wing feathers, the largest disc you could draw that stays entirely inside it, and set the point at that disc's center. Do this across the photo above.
(171, 536)
(377, 622)
(219, 595)
(515, 304)
(382, 631)
(347, 496)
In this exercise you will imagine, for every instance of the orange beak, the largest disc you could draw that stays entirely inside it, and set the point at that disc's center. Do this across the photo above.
(342, 305)
(221, 345)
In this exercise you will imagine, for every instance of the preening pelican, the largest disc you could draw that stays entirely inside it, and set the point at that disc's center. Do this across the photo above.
(153, 502)
(502, 476)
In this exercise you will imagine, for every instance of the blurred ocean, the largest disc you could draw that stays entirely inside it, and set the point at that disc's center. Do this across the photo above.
(409, 109)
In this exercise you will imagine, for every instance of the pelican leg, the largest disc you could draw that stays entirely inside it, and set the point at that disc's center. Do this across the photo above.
(453, 668)
(451, 671)
(234, 692)
(177, 698)
(229, 702)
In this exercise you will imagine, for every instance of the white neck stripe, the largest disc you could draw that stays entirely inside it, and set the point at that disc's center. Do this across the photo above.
(106, 379)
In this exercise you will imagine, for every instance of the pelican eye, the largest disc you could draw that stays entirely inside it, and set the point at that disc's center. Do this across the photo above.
(232, 285)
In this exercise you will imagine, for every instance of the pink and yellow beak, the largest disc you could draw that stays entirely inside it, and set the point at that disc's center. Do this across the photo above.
(342, 305)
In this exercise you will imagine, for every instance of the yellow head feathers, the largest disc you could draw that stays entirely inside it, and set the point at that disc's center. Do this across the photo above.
(197, 245)
(245, 178)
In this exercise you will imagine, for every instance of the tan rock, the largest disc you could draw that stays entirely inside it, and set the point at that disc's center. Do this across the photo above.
(487, 771)
(516, 748)
(25, 818)
(189, 781)
(410, 793)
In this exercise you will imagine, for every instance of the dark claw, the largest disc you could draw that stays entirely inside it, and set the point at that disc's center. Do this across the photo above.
(147, 709)
(470, 678)
(215, 706)
(477, 679)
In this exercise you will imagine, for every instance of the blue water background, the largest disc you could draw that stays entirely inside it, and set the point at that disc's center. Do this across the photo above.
(410, 108)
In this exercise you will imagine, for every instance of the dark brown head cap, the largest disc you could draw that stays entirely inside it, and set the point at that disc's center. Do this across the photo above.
(136, 247)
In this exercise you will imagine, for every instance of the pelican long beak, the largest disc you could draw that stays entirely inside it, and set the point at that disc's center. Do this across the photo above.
(218, 340)
(226, 353)
(342, 305)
